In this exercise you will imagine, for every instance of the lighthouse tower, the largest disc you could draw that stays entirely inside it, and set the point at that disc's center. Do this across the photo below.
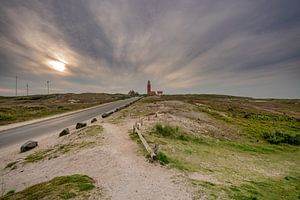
(149, 87)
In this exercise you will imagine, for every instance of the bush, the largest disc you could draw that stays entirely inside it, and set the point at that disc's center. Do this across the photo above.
(166, 131)
(4, 116)
(171, 132)
(163, 159)
(278, 137)
(10, 192)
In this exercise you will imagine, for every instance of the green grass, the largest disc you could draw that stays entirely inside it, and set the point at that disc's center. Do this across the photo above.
(268, 189)
(7, 117)
(10, 192)
(244, 170)
(62, 187)
(260, 162)
(253, 118)
(278, 137)
(258, 124)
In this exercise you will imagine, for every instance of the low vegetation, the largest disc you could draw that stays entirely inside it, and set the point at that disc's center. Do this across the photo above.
(62, 187)
(274, 128)
(11, 165)
(273, 120)
(277, 137)
(73, 145)
(84, 138)
(252, 153)
(238, 170)
(57, 151)
(17, 109)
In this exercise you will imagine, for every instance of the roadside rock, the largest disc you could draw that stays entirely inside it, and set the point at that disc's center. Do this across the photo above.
(105, 114)
(66, 131)
(28, 145)
(93, 120)
(80, 125)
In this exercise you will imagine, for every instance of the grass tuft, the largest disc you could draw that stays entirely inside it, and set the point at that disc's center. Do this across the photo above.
(67, 195)
(11, 165)
(163, 158)
(166, 131)
(62, 187)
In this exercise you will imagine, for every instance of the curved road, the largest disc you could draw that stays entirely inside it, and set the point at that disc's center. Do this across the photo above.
(30, 131)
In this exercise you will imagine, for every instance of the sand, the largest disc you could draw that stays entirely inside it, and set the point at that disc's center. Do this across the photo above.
(114, 164)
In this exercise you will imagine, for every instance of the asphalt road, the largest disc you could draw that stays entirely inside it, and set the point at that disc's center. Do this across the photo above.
(30, 131)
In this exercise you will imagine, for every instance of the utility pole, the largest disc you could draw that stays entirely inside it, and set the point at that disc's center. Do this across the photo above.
(27, 89)
(48, 86)
(16, 85)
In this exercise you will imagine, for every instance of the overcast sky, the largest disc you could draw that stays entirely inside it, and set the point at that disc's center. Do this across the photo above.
(237, 47)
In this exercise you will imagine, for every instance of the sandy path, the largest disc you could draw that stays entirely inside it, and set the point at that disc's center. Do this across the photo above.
(114, 165)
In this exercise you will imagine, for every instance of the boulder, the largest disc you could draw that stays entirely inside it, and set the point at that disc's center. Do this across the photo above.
(105, 115)
(80, 125)
(66, 131)
(28, 145)
(93, 120)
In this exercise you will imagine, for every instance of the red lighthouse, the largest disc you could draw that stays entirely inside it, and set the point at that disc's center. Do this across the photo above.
(149, 87)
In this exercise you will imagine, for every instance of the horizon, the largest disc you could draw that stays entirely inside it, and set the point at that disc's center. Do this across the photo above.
(171, 94)
(236, 48)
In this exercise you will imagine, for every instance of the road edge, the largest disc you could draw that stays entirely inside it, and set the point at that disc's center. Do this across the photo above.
(20, 124)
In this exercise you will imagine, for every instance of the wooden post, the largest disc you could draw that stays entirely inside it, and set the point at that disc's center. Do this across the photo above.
(146, 145)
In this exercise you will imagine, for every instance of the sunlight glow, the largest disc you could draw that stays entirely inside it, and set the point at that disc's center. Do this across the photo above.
(57, 65)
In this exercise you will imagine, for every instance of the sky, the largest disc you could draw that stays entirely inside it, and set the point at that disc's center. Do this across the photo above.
(236, 47)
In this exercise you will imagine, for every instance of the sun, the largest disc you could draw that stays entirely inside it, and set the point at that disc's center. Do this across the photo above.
(57, 65)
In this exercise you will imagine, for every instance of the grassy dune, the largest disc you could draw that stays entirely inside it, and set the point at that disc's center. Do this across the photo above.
(240, 170)
(274, 120)
(261, 161)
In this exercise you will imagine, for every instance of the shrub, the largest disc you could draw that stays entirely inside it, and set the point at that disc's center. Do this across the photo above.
(163, 159)
(278, 137)
(4, 116)
(166, 131)
(10, 192)
(171, 132)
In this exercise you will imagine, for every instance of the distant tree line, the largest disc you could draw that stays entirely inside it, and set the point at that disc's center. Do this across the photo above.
(133, 93)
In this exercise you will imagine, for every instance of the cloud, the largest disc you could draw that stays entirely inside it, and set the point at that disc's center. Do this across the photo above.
(182, 46)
